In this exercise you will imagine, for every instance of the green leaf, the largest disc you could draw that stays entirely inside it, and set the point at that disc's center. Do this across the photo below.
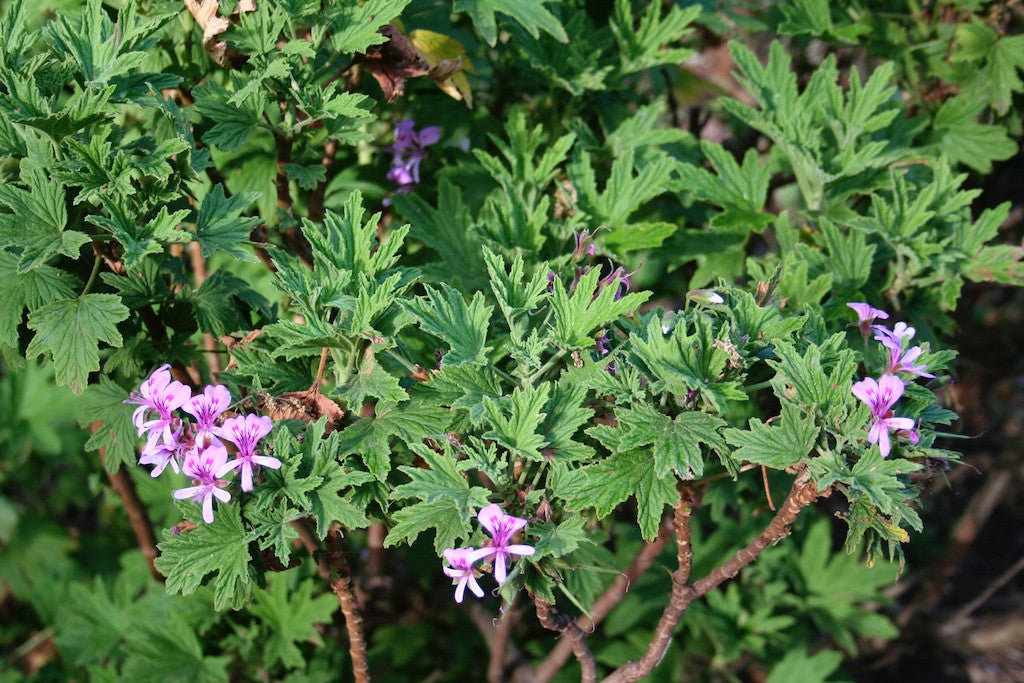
(1002, 263)
(356, 26)
(450, 231)
(289, 617)
(578, 315)
(996, 79)
(220, 225)
(70, 330)
(233, 122)
(32, 289)
(308, 177)
(676, 441)
(513, 290)
(740, 190)
(530, 14)
(958, 135)
(91, 625)
(37, 219)
(560, 540)
(683, 362)
(440, 479)
(220, 549)
(644, 44)
(621, 476)
(169, 650)
(104, 404)
(798, 665)
(778, 445)
(445, 314)
(519, 432)
(451, 524)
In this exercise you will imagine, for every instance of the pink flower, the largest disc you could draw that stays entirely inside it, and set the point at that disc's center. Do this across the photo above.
(904, 362)
(159, 394)
(161, 455)
(866, 316)
(203, 465)
(502, 528)
(900, 360)
(206, 408)
(245, 433)
(461, 569)
(880, 397)
(893, 339)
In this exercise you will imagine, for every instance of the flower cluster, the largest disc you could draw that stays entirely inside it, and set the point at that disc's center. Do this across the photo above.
(498, 549)
(408, 151)
(197, 448)
(882, 394)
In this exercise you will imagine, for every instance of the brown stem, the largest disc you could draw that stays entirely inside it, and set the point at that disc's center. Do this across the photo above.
(316, 200)
(342, 587)
(499, 644)
(803, 493)
(552, 620)
(200, 273)
(283, 147)
(604, 604)
(124, 487)
(332, 566)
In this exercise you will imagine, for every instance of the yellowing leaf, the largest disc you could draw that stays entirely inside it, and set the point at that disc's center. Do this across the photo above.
(438, 48)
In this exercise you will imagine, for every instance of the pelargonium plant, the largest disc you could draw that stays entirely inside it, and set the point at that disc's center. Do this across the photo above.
(479, 293)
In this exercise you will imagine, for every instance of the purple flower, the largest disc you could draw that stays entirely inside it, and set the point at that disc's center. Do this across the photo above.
(893, 339)
(904, 362)
(502, 528)
(206, 408)
(245, 433)
(409, 150)
(866, 316)
(159, 394)
(461, 569)
(880, 397)
(203, 465)
(161, 455)
(900, 360)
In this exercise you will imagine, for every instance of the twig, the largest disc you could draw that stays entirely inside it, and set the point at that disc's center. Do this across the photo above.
(499, 645)
(332, 566)
(316, 200)
(342, 587)
(978, 601)
(552, 620)
(124, 487)
(767, 489)
(200, 273)
(803, 493)
(978, 510)
(604, 604)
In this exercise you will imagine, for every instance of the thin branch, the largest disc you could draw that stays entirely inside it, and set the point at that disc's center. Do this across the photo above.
(342, 587)
(200, 273)
(332, 566)
(316, 200)
(554, 621)
(803, 493)
(138, 516)
(607, 601)
(499, 645)
(983, 597)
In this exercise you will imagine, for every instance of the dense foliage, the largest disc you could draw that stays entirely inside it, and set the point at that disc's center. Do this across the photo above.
(541, 280)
